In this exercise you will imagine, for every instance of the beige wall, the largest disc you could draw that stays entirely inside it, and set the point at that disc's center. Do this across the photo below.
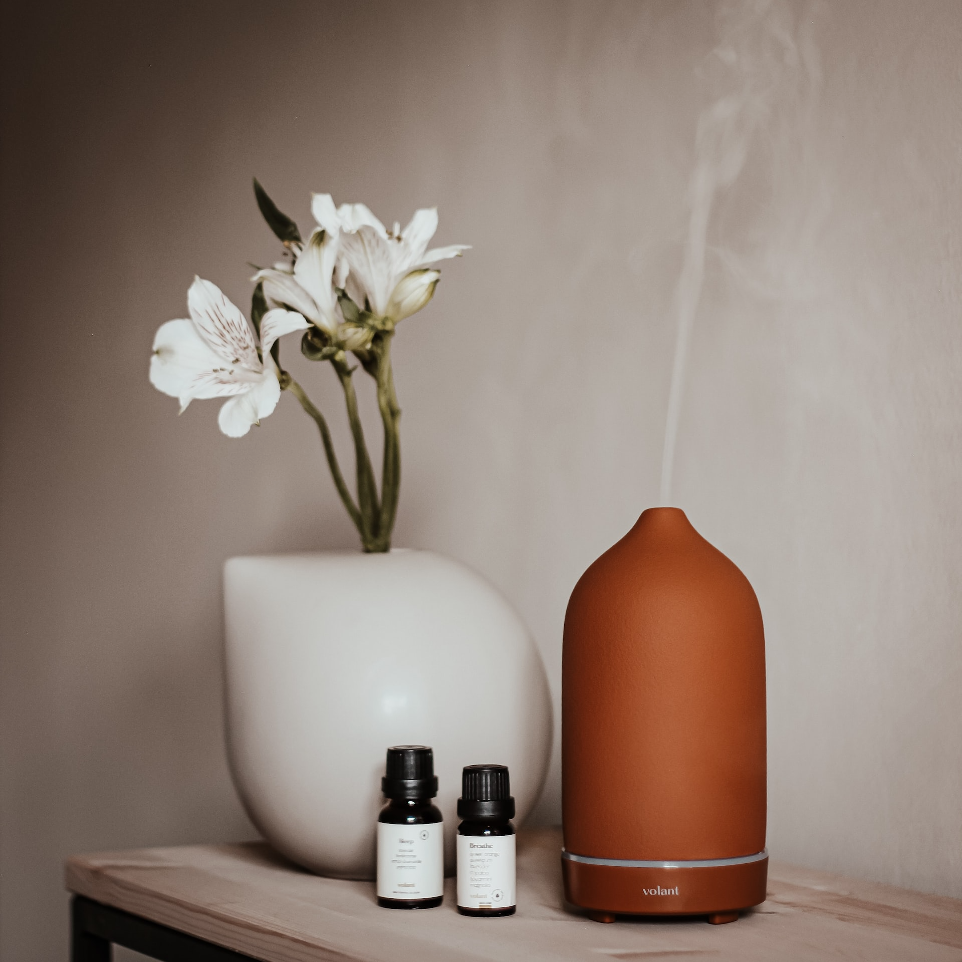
(820, 437)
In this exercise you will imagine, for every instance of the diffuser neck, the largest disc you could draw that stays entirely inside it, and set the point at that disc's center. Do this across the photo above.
(668, 520)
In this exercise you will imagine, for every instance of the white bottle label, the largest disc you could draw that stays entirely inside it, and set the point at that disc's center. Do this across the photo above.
(486, 871)
(410, 861)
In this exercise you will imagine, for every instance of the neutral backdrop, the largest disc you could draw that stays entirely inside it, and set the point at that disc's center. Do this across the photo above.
(785, 176)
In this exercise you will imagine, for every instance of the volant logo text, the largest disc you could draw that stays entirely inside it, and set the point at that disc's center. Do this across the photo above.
(661, 891)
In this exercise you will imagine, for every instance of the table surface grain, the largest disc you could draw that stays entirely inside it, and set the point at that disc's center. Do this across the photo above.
(247, 898)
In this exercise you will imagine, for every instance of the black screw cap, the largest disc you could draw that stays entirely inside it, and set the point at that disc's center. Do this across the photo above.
(409, 773)
(486, 793)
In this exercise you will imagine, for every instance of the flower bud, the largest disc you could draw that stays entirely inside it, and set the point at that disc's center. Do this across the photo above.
(355, 337)
(411, 293)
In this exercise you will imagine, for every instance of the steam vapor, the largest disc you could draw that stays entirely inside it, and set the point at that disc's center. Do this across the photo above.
(756, 54)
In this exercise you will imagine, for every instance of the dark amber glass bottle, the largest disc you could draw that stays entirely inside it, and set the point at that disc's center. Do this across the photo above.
(486, 843)
(410, 834)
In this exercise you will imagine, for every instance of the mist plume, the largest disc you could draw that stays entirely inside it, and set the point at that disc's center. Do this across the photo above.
(755, 59)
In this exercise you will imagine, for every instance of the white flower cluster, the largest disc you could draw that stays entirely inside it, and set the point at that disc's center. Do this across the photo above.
(351, 279)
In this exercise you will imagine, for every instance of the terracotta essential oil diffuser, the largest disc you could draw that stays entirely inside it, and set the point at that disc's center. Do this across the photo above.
(663, 730)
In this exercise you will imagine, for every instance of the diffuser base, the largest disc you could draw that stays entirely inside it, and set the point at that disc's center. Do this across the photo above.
(719, 888)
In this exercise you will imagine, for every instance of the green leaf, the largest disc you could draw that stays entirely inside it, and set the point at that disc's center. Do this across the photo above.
(279, 223)
(258, 307)
(349, 309)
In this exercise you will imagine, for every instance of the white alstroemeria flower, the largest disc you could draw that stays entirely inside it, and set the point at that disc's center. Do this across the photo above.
(379, 260)
(309, 289)
(214, 354)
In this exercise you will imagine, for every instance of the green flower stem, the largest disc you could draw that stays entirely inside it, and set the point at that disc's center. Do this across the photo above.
(366, 485)
(390, 416)
(289, 384)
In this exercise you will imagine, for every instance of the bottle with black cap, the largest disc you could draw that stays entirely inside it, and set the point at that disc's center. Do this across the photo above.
(486, 843)
(410, 836)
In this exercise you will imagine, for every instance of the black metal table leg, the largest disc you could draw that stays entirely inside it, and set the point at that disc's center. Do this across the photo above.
(84, 945)
(95, 927)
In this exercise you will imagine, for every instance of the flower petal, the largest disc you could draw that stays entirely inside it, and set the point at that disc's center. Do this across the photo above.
(314, 271)
(278, 322)
(355, 216)
(412, 293)
(266, 394)
(416, 235)
(239, 413)
(180, 354)
(222, 324)
(441, 254)
(325, 213)
(355, 291)
(372, 261)
(221, 382)
(237, 416)
(282, 290)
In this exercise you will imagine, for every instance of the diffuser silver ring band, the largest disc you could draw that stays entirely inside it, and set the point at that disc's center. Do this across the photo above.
(684, 863)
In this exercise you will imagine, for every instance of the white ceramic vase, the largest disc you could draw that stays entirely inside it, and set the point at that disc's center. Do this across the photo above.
(332, 658)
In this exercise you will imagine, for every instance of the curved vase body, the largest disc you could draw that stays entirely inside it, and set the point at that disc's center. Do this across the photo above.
(332, 658)
(663, 723)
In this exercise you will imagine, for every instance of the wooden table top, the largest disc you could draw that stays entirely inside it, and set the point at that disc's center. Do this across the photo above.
(247, 898)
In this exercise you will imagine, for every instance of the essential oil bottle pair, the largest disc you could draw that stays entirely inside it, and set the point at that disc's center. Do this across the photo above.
(410, 837)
